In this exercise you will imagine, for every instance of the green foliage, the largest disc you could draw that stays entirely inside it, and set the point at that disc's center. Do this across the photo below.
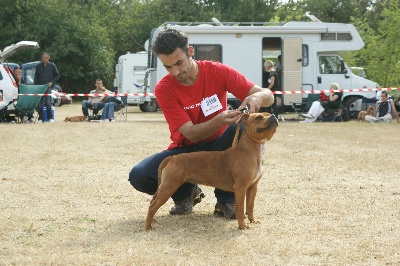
(86, 37)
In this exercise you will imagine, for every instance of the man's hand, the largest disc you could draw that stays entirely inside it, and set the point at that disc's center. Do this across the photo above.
(254, 102)
(229, 117)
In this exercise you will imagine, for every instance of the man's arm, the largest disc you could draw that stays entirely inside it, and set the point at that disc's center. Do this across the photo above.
(196, 133)
(56, 75)
(36, 78)
(257, 97)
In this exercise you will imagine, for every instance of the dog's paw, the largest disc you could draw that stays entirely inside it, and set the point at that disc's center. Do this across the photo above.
(255, 221)
(244, 227)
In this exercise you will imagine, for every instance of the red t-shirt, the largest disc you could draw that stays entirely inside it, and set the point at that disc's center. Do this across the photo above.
(181, 104)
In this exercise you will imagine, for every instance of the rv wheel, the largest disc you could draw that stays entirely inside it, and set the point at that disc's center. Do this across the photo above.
(231, 106)
(151, 106)
(350, 104)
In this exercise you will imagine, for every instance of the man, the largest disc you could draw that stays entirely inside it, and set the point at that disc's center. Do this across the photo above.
(46, 73)
(94, 102)
(383, 110)
(193, 97)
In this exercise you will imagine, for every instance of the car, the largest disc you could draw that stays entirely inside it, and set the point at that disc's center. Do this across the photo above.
(8, 86)
(59, 98)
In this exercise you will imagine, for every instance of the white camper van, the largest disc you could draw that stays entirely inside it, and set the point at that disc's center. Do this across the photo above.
(8, 86)
(129, 79)
(309, 54)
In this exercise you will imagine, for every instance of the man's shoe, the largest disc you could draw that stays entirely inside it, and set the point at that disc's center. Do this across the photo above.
(228, 210)
(185, 206)
(32, 120)
(51, 120)
(40, 120)
(307, 115)
(87, 119)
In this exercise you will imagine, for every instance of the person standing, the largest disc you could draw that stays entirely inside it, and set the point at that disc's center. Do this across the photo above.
(270, 81)
(193, 97)
(46, 73)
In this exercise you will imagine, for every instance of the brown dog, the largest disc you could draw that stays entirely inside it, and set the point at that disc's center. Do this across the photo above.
(80, 118)
(236, 169)
(362, 114)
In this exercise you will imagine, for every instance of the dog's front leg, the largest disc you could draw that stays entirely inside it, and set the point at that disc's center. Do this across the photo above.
(250, 199)
(240, 194)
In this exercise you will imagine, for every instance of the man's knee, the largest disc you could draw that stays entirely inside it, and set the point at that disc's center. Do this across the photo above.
(141, 183)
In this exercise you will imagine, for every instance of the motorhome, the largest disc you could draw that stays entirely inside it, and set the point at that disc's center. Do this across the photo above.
(309, 54)
(129, 79)
(8, 86)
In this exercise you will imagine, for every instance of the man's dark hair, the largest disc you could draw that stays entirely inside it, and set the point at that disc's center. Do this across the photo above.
(167, 41)
(384, 92)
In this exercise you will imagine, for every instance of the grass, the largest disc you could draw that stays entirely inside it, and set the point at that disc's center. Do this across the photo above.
(329, 195)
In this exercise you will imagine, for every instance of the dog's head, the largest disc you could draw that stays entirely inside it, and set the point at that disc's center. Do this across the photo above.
(67, 119)
(370, 109)
(260, 126)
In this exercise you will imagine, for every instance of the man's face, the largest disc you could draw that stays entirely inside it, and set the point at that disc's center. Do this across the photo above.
(384, 97)
(98, 84)
(45, 58)
(178, 64)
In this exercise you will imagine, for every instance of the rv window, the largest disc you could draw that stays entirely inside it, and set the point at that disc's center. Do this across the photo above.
(305, 55)
(208, 52)
(330, 65)
(328, 36)
(344, 37)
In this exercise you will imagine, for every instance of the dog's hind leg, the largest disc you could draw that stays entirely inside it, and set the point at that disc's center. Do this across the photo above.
(250, 199)
(164, 192)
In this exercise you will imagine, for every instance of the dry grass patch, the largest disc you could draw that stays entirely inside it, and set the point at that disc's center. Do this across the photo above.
(329, 196)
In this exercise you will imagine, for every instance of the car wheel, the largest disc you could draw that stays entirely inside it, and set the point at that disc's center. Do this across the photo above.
(151, 106)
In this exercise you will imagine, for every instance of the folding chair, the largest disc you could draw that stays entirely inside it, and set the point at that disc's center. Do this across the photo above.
(333, 114)
(121, 110)
(304, 107)
(26, 104)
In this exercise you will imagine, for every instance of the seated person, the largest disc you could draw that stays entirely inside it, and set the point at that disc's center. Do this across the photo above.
(108, 111)
(94, 102)
(383, 110)
(2, 104)
(25, 117)
(397, 105)
(331, 106)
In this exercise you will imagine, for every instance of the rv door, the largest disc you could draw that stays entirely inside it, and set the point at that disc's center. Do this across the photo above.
(292, 69)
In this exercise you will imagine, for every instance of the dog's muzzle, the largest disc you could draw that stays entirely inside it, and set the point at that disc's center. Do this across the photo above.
(270, 123)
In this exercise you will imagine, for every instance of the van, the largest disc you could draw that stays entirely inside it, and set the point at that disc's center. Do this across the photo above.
(8, 86)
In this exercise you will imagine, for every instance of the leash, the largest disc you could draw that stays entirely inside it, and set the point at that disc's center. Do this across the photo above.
(244, 110)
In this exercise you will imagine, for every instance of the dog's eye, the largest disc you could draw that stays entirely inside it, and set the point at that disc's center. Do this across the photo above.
(260, 117)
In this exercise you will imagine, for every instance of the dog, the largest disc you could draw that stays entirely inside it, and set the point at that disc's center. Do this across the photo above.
(237, 169)
(80, 118)
(362, 114)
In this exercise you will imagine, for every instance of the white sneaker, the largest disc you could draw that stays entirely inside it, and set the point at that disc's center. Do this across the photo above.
(104, 121)
(307, 115)
(51, 120)
(112, 120)
(32, 120)
(40, 121)
(282, 119)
